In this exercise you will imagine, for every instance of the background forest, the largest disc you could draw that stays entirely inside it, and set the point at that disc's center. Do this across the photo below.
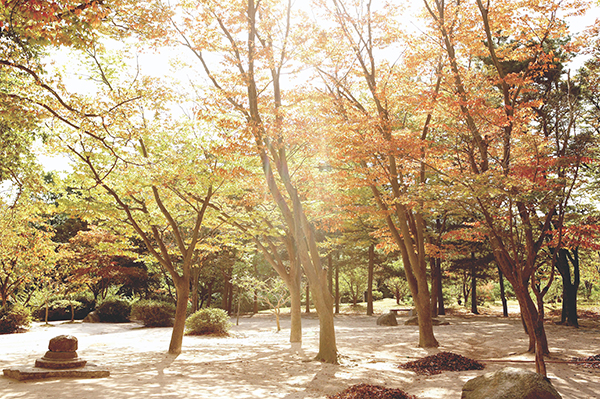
(250, 155)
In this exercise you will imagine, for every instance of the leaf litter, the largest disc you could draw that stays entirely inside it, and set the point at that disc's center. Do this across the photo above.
(366, 391)
(443, 361)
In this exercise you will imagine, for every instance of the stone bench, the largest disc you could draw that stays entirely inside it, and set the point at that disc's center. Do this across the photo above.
(411, 311)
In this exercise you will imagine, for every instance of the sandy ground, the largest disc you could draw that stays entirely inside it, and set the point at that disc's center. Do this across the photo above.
(256, 362)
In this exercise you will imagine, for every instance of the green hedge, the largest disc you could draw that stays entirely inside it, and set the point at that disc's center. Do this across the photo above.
(114, 310)
(153, 313)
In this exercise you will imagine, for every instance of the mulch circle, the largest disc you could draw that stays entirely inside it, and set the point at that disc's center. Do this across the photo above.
(595, 359)
(366, 391)
(443, 361)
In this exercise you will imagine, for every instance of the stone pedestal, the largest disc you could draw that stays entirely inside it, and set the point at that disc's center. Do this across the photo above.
(62, 354)
(61, 360)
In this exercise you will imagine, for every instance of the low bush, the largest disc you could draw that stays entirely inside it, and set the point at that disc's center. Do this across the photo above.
(153, 313)
(14, 318)
(114, 310)
(208, 321)
(377, 295)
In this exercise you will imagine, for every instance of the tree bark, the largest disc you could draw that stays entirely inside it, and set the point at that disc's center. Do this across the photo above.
(437, 300)
(473, 286)
(337, 289)
(570, 285)
(195, 271)
(503, 294)
(307, 294)
(182, 290)
(370, 280)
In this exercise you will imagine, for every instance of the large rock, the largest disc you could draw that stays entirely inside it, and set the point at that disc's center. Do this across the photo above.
(63, 343)
(510, 383)
(387, 319)
(92, 317)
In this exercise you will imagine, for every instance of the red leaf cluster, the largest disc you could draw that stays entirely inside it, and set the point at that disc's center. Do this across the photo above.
(443, 361)
(366, 391)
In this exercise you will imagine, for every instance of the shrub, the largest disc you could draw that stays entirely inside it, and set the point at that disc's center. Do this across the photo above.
(60, 309)
(208, 321)
(114, 310)
(377, 295)
(14, 318)
(153, 313)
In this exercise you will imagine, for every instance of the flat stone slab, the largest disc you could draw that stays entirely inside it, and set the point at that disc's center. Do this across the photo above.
(33, 373)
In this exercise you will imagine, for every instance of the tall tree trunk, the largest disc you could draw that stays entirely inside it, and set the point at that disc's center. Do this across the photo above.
(370, 280)
(503, 294)
(255, 303)
(209, 294)
(473, 286)
(225, 294)
(570, 286)
(195, 271)
(230, 299)
(330, 273)
(337, 289)
(307, 294)
(441, 307)
(295, 313)
(436, 286)
(182, 289)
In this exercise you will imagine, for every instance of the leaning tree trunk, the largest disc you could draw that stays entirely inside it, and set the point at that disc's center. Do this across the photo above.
(182, 289)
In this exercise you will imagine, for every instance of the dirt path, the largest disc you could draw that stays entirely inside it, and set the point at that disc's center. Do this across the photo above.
(256, 362)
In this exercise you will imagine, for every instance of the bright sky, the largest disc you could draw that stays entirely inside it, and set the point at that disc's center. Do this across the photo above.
(159, 65)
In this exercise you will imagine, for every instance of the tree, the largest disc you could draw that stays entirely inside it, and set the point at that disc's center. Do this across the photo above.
(99, 260)
(131, 172)
(382, 132)
(250, 97)
(510, 173)
(26, 249)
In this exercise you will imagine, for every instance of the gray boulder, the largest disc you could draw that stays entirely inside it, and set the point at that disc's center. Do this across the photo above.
(510, 383)
(387, 319)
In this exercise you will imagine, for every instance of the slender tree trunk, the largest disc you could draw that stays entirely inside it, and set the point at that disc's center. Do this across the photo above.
(370, 280)
(195, 272)
(436, 282)
(225, 294)
(330, 272)
(503, 294)
(182, 289)
(570, 286)
(324, 304)
(230, 299)
(441, 307)
(209, 295)
(473, 286)
(337, 289)
(307, 294)
(295, 312)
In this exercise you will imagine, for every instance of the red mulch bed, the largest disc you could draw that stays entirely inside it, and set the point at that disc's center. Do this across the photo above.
(595, 359)
(366, 391)
(443, 361)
